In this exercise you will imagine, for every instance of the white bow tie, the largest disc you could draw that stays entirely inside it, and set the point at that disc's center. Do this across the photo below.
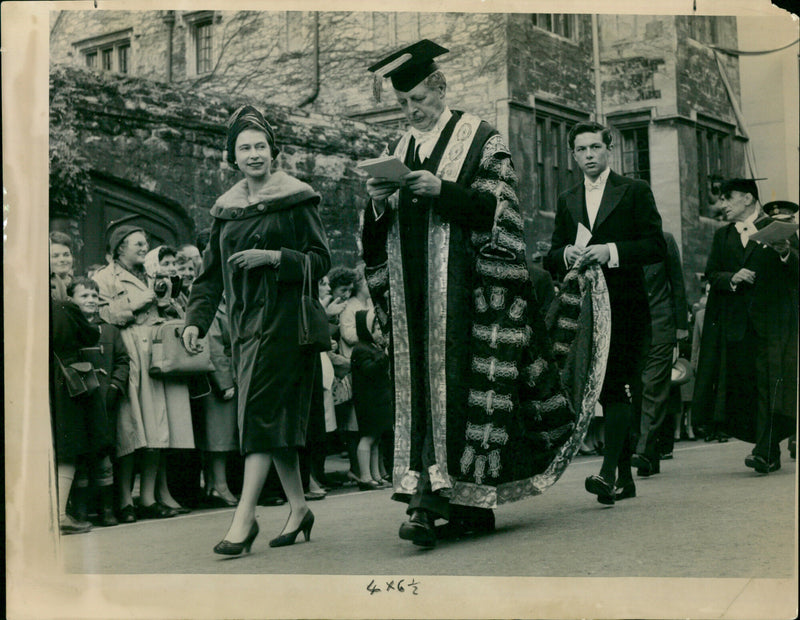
(745, 230)
(593, 186)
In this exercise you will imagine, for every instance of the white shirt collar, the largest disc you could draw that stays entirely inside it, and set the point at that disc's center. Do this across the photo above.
(435, 130)
(426, 140)
(600, 183)
(749, 222)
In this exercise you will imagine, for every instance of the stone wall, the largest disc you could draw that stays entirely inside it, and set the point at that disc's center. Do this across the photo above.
(700, 86)
(169, 141)
(499, 67)
(267, 55)
(638, 62)
(148, 55)
(544, 64)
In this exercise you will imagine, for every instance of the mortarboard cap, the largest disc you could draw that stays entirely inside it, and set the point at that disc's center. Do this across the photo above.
(407, 67)
(780, 207)
(746, 186)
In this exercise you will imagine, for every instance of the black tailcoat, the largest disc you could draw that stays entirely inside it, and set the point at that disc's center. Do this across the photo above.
(628, 217)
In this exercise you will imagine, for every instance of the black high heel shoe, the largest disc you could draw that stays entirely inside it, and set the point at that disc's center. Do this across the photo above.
(225, 547)
(289, 537)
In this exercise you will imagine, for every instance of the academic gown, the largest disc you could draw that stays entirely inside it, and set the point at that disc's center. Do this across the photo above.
(765, 314)
(473, 369)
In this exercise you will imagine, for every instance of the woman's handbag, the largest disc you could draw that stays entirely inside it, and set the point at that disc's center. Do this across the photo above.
(79, 377)
(342, 389)
(168, 356)
(314, 333)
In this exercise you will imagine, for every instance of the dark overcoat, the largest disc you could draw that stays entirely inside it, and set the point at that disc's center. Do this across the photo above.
(111, 356)
(80, 426)
(767, 313)
(372, 385)
(667, 295)
(274, 375)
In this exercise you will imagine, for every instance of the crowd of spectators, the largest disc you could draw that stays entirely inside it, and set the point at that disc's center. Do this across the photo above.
(143, 447)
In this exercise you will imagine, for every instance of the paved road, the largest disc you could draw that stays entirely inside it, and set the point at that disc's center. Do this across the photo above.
(705, 515)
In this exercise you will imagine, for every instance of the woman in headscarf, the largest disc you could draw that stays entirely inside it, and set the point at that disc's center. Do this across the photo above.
(265, 228)
(160, 265)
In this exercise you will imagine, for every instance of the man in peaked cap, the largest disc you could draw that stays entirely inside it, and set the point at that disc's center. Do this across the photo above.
(781, 210)
(418, 238)
(746, 382)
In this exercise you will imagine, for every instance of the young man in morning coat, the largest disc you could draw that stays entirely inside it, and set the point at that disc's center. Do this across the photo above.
(620, 212)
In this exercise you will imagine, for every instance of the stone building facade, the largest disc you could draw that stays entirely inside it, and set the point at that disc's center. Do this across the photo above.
(156, 153)
(654, 79)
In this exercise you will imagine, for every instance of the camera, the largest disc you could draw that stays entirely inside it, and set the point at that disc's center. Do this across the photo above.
(160, 286)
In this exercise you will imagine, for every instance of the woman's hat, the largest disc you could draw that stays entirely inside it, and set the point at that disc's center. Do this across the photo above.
(247, 117)
(681, 371)
(118, 235)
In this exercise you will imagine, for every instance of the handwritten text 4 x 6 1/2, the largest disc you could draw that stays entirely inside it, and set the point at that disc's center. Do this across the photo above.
(401, 585)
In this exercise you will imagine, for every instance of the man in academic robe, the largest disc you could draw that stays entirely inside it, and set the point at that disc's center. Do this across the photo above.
(431, 262)
(445, 264)
(746, 383)
(619, 218)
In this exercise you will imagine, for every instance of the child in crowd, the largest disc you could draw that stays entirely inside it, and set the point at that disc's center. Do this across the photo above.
(186, 271)
(372, 397)
(110, 359)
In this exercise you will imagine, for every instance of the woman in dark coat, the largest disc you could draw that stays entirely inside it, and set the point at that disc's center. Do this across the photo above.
(265, 228)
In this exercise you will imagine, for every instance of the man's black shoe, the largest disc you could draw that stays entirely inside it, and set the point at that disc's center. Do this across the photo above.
(645, 466)
(604, 491)
(625, 491)
(419, 529)
(760, 464)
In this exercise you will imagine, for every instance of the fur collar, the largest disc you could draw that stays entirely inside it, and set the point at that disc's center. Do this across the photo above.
(281, 191)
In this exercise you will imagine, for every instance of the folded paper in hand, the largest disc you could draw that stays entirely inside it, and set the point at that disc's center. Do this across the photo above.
(387, 167)
(583, 236)
(774, 232)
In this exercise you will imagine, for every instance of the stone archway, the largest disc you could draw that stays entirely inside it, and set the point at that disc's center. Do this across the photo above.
(114, 199)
